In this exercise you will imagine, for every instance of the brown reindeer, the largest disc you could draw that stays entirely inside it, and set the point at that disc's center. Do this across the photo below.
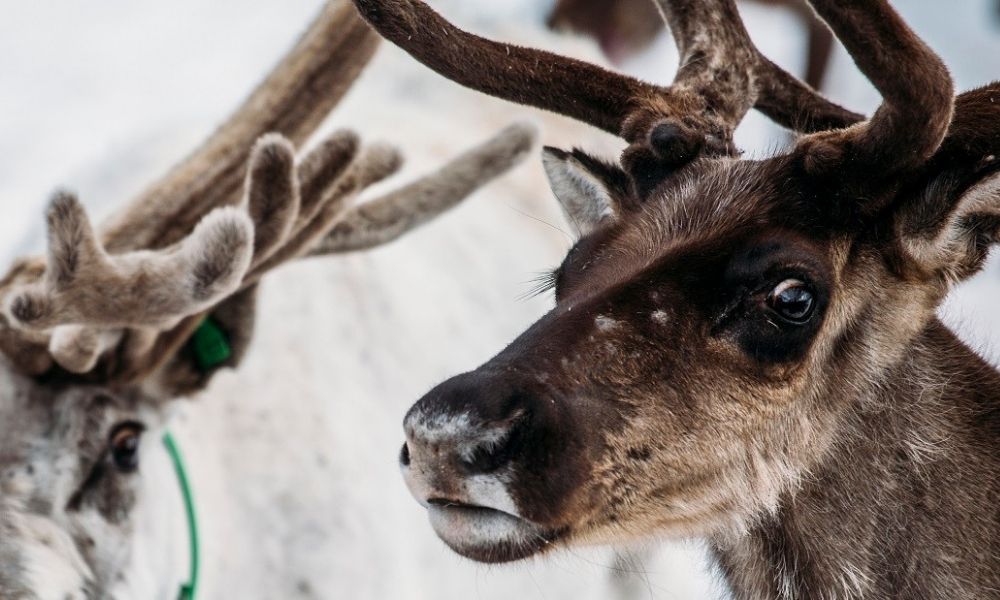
(745, 350)
(114, 324)
(625, 27)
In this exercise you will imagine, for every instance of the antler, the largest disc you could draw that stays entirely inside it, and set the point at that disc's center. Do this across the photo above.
(90, 300)
(87, 296)
(295, 97)
(722, 75)
(149, 289)
(388, 217)
(126, 301)
(917, 95)
(338, 227)
(292, 100)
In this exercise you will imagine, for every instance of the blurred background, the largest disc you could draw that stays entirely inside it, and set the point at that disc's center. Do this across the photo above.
(294, 456)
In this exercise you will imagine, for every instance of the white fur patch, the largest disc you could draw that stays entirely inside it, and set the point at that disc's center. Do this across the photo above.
(490, 491)
(438, 428)
(53, 567)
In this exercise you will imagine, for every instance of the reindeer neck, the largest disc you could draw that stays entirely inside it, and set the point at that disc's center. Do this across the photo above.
(908, 503)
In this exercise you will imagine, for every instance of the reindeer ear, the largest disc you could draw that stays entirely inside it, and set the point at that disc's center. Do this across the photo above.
(951, 226)
(221, 339)
(951, 216)
(589, 191)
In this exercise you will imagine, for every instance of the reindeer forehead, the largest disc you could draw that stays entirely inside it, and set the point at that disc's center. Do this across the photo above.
(33, 414)
(713, 196)
(27, 411)
(712, 201)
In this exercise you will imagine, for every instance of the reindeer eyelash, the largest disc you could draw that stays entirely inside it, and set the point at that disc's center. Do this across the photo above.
(542, 283)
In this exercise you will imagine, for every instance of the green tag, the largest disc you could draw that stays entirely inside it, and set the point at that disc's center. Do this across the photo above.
(210, 344)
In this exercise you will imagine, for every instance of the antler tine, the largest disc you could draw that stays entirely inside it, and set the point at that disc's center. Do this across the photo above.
(290, 207)
(272, 193)
(374, 165)
(789, 102)
(88, 301)
(721, 63)
(291, 204)
(388, 217)
(324, 166)
(87, 297)
(292, 100)
(917, 92)
(148, 295)
(84, 285)
(610, 101)
(717, 59)
(379, 221)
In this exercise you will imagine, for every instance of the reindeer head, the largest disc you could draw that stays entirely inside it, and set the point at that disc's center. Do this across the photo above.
(717, 316)
(102, 335)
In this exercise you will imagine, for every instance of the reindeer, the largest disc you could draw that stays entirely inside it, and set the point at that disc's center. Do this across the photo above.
(741, 350)
(104, 334)
(625, 27)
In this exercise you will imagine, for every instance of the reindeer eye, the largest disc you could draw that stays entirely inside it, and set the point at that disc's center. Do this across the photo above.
(124, 446)
(793, 300)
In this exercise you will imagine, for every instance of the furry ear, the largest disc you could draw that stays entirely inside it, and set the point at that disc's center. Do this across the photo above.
(221, 341)
(589, 191)
(951, 213)
(951, 226)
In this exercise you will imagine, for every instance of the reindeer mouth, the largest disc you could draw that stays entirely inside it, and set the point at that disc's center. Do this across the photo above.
(486, 534)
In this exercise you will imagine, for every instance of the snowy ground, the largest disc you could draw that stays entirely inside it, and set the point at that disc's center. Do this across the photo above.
(294, 456)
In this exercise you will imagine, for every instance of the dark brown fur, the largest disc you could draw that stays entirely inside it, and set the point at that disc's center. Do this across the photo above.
(853, 454)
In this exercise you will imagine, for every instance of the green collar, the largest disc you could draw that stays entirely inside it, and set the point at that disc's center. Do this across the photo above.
(189, 589)
(211, 349)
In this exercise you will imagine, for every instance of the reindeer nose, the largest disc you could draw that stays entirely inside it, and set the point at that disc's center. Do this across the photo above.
(460, 431)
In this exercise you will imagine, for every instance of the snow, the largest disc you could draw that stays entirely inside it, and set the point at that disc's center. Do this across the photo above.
(294, 457)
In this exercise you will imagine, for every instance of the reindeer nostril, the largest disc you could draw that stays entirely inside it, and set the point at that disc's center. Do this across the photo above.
(497, 449)
(404, 455)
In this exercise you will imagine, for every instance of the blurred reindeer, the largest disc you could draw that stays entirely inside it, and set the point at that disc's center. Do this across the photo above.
(105, 333)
